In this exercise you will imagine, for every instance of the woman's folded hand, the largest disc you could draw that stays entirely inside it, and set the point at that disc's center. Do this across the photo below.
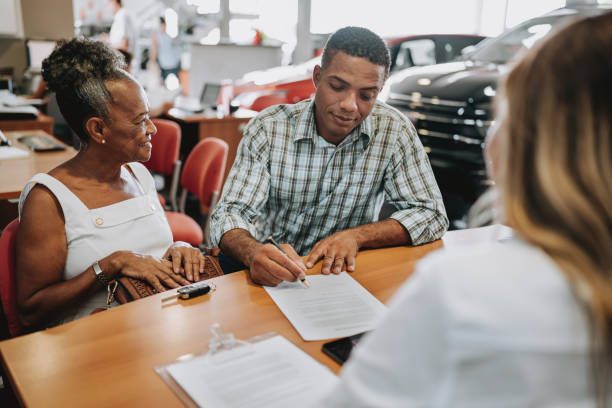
(189, 258)
(157, 272)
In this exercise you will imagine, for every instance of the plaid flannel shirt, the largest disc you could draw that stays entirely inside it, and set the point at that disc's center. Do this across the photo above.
(290, 183)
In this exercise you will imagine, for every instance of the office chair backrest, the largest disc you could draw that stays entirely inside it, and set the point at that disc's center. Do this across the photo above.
(204, 169)
(165, 155)
(8, 291)
(166, 143)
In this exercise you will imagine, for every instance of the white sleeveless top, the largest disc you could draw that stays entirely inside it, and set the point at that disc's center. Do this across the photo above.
(138, 224)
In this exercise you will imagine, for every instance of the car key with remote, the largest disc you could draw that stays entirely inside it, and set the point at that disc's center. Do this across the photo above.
(193, 290)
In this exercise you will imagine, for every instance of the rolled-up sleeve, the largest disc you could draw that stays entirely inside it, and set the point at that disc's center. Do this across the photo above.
(411, 187)
(246, 189)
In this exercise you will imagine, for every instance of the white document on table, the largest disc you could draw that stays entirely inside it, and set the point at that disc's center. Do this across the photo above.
(270, 373)
(333, 306)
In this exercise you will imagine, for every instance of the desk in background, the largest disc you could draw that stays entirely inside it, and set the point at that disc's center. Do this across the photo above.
(227, 128)
(107, 359)
(16, 172)
(42, 122)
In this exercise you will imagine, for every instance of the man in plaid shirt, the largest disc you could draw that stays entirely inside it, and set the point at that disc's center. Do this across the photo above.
(314, 175)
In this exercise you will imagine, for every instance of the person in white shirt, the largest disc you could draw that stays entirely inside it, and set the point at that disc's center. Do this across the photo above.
(525, 322)
(95, 217)
(124, 32)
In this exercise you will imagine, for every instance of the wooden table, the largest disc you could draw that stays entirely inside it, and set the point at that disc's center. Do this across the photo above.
(107, 359)
(42, 122)
(228, 128)
(16, 172)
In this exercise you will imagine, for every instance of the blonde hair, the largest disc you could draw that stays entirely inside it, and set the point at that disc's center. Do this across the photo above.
(554, 167)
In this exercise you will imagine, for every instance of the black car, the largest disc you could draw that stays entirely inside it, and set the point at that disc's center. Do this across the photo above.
(450, 106)
(428, 49)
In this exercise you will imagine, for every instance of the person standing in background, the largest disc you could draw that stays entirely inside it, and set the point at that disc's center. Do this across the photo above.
(163, 52)
(124, 32)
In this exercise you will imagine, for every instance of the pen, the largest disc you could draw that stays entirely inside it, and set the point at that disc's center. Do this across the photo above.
(271, 240)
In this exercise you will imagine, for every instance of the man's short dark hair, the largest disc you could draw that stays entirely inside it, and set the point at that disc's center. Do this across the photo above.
(357, 42)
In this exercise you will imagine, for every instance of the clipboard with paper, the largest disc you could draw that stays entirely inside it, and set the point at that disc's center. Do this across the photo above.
(264, 371)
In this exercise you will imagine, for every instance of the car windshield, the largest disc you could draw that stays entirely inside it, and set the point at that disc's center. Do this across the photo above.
(502, 49)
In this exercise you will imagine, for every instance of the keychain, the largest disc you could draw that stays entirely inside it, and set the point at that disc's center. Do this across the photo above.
(110, 297)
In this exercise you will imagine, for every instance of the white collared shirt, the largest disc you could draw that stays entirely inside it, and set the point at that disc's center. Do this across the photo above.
(489, 326)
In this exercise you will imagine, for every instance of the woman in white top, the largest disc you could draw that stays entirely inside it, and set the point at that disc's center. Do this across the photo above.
(525, 322)
(95, 217)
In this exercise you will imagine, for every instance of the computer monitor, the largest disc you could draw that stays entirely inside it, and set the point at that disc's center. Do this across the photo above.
(208, 98)
(37, 51)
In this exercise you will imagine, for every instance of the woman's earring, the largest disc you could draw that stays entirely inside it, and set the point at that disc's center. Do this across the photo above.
(103, 141)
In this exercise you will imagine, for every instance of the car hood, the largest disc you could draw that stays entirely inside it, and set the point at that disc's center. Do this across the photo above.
(464, 81)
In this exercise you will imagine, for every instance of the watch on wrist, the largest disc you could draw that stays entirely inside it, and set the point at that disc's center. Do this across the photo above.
(99, 275)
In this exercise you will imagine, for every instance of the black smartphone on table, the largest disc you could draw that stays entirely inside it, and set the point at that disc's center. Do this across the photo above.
(340, 350)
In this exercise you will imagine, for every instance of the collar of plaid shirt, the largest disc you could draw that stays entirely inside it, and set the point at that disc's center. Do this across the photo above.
(306, 128)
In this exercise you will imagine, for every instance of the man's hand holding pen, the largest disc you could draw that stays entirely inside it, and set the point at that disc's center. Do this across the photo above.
(302, 278)
(273, 264)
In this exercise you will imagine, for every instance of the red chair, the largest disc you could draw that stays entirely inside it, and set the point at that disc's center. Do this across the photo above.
(165, 155)
(202, 176)
(8, 291)
(265, 101)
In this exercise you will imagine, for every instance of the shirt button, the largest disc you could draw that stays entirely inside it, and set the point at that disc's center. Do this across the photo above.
(153, 207)
(99, 221)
